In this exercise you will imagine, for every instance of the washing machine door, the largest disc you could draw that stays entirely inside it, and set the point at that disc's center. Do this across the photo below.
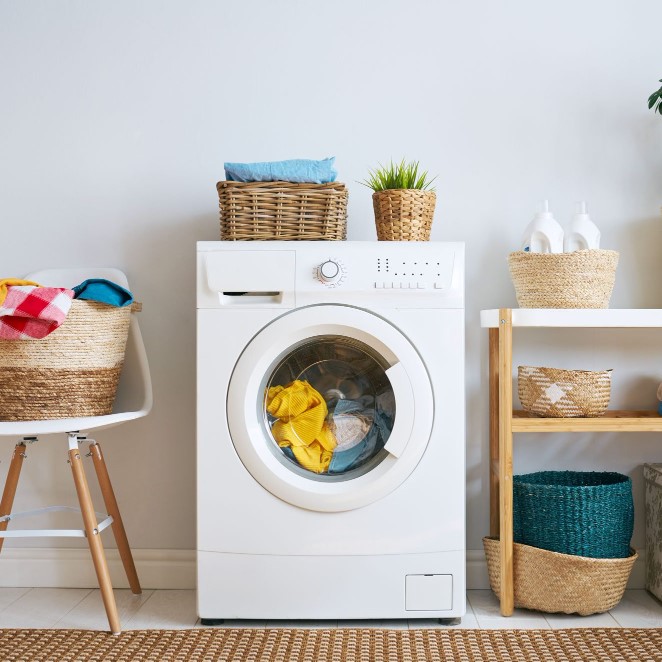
(330, 407)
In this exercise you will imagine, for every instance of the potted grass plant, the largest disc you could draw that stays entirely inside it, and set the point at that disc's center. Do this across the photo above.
(403, 201)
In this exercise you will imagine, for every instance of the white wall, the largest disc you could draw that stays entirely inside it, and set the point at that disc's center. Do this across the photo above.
(115, 120)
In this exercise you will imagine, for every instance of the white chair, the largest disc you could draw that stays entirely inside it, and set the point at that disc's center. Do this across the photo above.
(134, 400)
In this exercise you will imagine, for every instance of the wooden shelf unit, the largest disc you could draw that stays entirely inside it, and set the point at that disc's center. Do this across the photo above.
(504, 421)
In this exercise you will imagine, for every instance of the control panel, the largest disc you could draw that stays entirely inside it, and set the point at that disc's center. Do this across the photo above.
(287, 274)
(389, 272)
(419, 273)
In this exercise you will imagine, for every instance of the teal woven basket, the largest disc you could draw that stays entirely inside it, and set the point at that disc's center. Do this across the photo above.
(586, 513)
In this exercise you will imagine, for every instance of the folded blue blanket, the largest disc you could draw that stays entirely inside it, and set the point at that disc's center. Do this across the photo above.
(294, 170)
(104, 291)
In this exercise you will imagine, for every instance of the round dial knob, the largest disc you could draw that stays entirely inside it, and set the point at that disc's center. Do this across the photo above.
(329, 271)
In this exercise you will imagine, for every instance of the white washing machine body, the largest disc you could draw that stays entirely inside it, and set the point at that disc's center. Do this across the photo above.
(384, 538)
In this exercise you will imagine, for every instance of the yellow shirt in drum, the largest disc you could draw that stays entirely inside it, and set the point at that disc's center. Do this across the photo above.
(301, 412)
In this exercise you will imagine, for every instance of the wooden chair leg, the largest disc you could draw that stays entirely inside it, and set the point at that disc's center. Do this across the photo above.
(7, 502)
(113, 509)
(94, 539)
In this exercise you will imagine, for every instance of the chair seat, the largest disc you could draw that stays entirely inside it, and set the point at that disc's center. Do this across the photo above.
(53, 426)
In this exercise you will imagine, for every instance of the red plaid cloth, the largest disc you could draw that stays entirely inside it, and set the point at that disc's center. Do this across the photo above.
(33, 312)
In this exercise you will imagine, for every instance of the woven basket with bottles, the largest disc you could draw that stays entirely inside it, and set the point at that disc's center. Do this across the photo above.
(581, 279)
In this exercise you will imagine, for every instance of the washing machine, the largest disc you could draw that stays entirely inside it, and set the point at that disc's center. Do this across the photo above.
(330, 430)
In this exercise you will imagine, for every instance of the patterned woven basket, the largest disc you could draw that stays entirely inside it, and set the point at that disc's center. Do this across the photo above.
(282, 210)
(556, 393)
(560, 583)
(583, 279)
(404, 214)
(72, 372)
(585, 513)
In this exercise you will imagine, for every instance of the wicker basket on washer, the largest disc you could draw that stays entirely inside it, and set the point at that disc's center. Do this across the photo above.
(552, 582)
(582, 279)
(282, 210)
(72, 372)
(556, 393)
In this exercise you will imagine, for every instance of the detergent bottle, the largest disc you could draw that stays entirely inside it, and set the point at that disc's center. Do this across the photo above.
(583, 233)
(543, 234)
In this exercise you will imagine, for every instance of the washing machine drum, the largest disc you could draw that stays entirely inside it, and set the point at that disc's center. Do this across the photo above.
(322, 411)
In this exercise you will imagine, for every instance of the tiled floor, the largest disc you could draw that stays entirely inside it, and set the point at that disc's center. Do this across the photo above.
(82, 609)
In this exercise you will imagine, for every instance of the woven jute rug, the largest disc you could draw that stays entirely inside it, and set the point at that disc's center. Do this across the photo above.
(342, 645)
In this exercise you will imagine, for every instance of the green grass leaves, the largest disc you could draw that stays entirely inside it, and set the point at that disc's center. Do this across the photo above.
(655, 99)
(398, 176)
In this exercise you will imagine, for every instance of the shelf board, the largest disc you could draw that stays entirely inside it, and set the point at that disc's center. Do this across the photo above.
(614, 420)
(619, 318)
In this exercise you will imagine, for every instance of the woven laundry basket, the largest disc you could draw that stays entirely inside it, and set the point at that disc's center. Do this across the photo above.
(585, 513)
(72, 372)
(556, 393)
(282, 210)
(582, 279)
(560, 583)
(404, 214)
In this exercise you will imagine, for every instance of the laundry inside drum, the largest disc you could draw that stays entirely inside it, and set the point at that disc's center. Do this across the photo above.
(330, 407)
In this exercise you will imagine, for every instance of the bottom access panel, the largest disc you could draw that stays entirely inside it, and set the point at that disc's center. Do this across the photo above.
(260, 586)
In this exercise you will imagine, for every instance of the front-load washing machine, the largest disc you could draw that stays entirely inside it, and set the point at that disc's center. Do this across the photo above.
(330, 430)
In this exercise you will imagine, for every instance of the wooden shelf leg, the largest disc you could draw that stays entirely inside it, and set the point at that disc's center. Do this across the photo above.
(9, 491)
(506, 459)
(494, 430)
(113, 509)
(94, 539)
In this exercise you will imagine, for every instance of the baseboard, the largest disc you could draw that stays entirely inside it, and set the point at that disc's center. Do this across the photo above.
(72, 568)
(168, 568)
(477, 570)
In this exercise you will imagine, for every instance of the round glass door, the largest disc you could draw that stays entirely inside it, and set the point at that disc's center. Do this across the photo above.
(329, 407)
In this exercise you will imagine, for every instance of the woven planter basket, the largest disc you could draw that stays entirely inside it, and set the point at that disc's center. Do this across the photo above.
(404, 214)
(556, 393)
(72, 372)
(282, 210)
(583, 279)
(585, 513)
(559, 583)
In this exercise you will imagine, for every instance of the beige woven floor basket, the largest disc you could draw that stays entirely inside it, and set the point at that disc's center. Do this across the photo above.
(404, 214)
(72, 372)
(560, 583)
(583, 279)
(556, 393)
(282, 210)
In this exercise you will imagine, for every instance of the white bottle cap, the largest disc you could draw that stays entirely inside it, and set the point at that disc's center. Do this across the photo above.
(545, 213)
(580, 210)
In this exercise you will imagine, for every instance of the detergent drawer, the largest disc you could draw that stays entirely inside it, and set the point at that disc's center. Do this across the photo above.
(246, 278)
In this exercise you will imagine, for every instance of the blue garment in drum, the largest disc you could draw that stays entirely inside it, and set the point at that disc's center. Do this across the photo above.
(345, 460)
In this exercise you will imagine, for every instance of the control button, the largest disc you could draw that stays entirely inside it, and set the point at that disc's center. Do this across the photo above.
(438, 286)
(388, 286)
(412, 286)
(421, 286)
(379, 285)
(330, 272)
